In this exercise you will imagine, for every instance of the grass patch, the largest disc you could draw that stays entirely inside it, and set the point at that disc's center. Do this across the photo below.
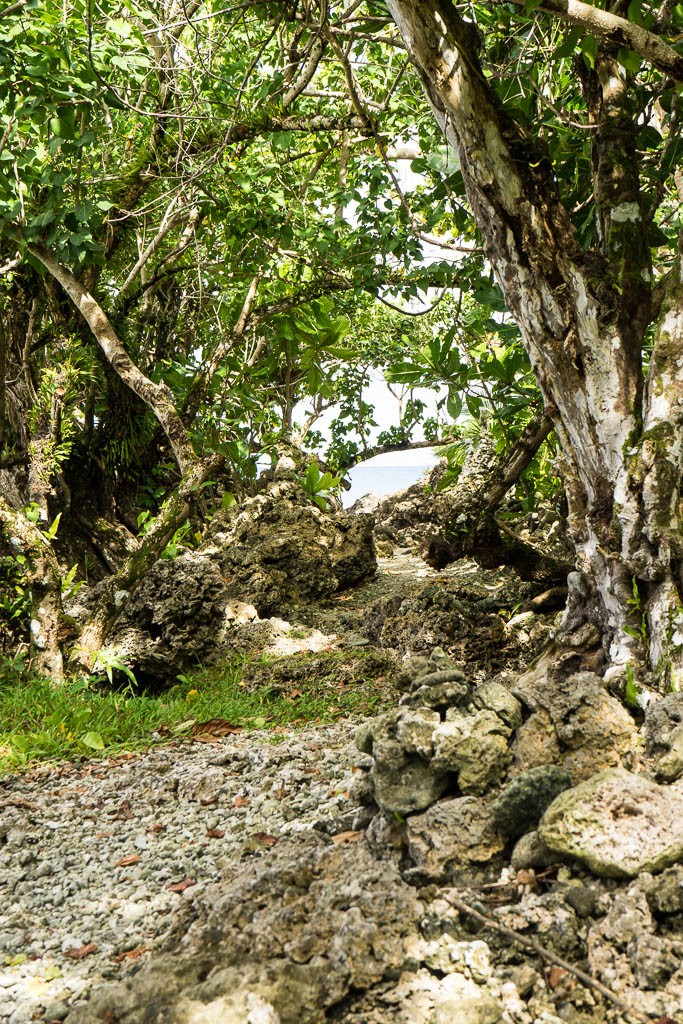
(81, 719)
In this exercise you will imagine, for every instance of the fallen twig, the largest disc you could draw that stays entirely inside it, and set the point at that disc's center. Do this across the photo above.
(522, 940)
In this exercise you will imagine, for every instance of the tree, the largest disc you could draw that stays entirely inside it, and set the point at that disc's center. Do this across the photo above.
(172, 240)
(570, 165)
(217, 191)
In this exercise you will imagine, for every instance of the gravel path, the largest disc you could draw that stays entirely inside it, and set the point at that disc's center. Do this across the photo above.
(95, 860)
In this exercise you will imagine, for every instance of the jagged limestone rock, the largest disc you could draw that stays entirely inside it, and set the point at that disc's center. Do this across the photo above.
(173, 621)
(664, 736)
(498, 699)
(287, 936)
(475, 747)
(451, 838)
(262, 557)
(579, 724)
(617, 823)
(278, 549)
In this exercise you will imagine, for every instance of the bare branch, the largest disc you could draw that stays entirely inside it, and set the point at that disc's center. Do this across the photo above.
(306, 73)
(399, 446)
(170, 217)
(464, 908)
(12, 8)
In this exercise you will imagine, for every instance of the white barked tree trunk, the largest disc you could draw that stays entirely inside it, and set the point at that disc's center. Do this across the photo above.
(584, 316)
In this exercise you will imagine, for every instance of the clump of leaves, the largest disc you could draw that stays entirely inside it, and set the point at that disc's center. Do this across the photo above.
(320, 487)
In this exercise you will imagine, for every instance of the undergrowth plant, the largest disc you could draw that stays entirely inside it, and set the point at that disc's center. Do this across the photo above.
(83, 717)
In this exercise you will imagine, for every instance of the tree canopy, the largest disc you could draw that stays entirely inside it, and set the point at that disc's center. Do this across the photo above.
(205, 210)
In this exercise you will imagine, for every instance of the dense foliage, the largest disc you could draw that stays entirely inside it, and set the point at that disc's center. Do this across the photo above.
(216, 222)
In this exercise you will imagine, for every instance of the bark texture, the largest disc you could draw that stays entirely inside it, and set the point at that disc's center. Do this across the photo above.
(583, 316)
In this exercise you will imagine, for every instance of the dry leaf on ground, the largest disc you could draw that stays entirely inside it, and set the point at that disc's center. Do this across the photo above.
(78, 952)
(125, 862)
(181, 886)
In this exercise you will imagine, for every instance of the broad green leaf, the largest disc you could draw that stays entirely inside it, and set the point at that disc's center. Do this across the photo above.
(93, 740)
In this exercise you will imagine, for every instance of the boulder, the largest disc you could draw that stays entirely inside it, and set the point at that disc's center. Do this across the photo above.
(523, 800)
(452, 839)
(259, 558)
(280, 943)
(172, 622)
(474, 747)
(417, 755)
(575, 721)
(664, 736)
(279, 550)
(400, 744)
(617, 823)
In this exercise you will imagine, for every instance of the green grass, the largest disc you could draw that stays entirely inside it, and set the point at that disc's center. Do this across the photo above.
(80, 719)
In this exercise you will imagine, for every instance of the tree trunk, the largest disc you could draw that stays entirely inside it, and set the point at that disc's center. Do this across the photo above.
(583, 317)
(50, 628)
(117, 588)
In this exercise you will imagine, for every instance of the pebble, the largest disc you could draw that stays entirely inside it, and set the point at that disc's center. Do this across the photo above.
(104, 855)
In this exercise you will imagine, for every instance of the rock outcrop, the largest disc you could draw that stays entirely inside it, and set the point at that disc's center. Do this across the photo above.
(261, 558)
(280, 944)
(279, 550)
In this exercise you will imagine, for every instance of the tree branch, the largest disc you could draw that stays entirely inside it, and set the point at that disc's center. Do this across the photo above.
(400, 446)
(617, 31)
(156, 396)
(12, 9)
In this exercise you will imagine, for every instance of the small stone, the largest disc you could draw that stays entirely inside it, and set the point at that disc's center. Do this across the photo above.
(581, 899)
(55, 1011)
(531, 852)
(71, 942)
(665, 892)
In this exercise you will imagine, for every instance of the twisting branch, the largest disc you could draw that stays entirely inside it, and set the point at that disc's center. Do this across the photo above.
(13, 8)
(360, 105)
(156, 396)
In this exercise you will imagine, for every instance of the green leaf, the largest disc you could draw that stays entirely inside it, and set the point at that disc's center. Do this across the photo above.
(635, 13)
(93, 740)
(454, 405)
(629, 59)
(63, 125)
(492, 297)
(589, 48)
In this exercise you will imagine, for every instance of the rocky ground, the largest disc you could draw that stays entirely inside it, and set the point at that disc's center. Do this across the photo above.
(326, 874)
